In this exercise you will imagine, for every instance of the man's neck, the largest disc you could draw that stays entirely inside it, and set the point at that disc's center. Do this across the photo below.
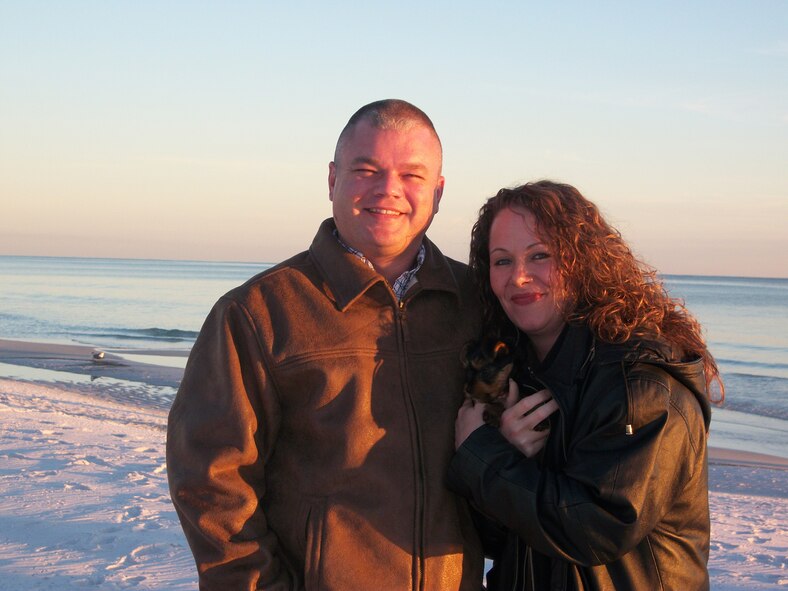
(393, 270)
(389, 267)
(392, 267)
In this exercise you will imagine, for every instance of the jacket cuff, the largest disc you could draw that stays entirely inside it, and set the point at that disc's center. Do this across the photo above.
(471, 459)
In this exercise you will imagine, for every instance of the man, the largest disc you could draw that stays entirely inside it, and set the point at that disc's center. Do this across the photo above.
(308, 443)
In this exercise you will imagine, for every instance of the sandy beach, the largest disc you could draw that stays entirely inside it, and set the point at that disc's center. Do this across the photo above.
(84, 500)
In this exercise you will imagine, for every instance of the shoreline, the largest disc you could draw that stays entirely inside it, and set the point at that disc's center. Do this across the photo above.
(733, 457)
(79, 359)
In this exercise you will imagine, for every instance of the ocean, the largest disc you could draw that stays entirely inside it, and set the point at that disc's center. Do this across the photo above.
(132, 306)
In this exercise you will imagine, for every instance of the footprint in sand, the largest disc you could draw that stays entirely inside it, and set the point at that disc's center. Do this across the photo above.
(94, 580)
(130, 513)
(105, 540)
(139, 518)
(143, 450)
(137, 477)
(98, 461)
(142, 553)
(40, 473)
(136, 556)
(156, 498)
(50, 432)
(76, 486)
(122, 562)
(723, 546)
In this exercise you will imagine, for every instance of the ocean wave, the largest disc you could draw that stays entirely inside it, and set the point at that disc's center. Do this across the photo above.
(167, 332)
(748, 347)
(167, 335)
(756, 394)
(755, 376)
(757, 408)
(727, 281)
(761, 364)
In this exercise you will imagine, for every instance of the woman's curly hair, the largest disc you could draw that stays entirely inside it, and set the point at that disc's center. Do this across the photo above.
(606, 286)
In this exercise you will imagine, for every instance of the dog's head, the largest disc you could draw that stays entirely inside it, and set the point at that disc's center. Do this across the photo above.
(488, 363)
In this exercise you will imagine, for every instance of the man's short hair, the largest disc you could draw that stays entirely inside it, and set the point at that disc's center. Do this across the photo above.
(387, 114)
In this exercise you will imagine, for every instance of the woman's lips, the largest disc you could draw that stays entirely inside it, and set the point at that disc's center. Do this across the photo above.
(523, 299)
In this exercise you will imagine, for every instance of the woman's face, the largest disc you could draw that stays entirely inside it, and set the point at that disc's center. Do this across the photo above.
(523, 277)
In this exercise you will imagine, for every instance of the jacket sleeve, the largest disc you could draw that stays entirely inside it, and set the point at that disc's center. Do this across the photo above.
(221, 430)
(613, 488)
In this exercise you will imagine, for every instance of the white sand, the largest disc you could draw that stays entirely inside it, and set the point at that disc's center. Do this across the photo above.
(84, 501)
(83, 495)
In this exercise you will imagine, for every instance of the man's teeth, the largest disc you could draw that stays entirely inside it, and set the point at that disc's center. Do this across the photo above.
(383, 211)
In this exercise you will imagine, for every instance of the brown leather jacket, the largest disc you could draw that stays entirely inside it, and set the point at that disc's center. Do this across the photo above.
(309, 441)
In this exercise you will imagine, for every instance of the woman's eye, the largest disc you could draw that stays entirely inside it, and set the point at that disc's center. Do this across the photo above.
(539, 256)
(500, 262)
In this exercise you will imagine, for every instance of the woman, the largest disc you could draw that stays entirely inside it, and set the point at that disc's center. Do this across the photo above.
(615, 494)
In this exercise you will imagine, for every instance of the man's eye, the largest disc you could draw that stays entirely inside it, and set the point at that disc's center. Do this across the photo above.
(364, 171)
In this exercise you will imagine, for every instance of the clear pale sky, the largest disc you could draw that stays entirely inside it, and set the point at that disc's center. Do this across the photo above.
(203, 130)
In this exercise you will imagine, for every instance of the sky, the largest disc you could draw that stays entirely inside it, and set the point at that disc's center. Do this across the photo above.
(203, 130)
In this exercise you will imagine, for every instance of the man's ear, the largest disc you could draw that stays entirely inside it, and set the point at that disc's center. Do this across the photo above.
(438, 193)
(332, 178)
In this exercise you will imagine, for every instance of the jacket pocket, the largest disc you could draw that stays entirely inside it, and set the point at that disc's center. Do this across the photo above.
(314, 526)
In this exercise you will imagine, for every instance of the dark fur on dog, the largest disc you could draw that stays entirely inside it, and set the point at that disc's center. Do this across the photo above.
(489, 363)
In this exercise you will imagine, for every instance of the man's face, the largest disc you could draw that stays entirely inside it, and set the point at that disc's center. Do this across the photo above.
(385, 187)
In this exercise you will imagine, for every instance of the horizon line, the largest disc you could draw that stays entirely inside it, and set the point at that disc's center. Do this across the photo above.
(251, 262)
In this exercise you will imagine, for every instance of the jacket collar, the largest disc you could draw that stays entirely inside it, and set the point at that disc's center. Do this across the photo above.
(346, 277)
(569, 360)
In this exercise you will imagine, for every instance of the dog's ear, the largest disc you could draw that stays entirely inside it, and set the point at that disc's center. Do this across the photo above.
(499, 349)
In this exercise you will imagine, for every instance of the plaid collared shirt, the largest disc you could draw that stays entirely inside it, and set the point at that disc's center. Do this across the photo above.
(404, 281)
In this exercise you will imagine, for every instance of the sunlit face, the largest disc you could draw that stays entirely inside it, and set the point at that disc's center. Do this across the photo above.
(524, 278)
(385, 186)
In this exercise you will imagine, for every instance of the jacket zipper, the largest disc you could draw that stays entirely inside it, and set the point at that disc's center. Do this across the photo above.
(529, 561)
(418, 539)
(517, 562)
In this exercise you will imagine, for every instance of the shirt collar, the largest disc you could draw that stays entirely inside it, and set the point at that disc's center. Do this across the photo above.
(404, 281)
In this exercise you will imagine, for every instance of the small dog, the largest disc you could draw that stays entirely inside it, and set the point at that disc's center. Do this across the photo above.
(489, 363)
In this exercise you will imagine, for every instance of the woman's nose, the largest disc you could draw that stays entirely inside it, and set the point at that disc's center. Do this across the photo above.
(520, 275)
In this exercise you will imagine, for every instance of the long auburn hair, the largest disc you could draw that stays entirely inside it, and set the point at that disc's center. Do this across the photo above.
(607, 288)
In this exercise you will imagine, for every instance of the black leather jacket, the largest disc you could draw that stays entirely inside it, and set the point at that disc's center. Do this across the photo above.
(618, 498)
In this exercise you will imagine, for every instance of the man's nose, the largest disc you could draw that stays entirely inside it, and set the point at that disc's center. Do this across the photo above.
(389, 184)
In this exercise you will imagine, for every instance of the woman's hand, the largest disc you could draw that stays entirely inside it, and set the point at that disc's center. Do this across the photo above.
(469, 418)
(517, 425)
